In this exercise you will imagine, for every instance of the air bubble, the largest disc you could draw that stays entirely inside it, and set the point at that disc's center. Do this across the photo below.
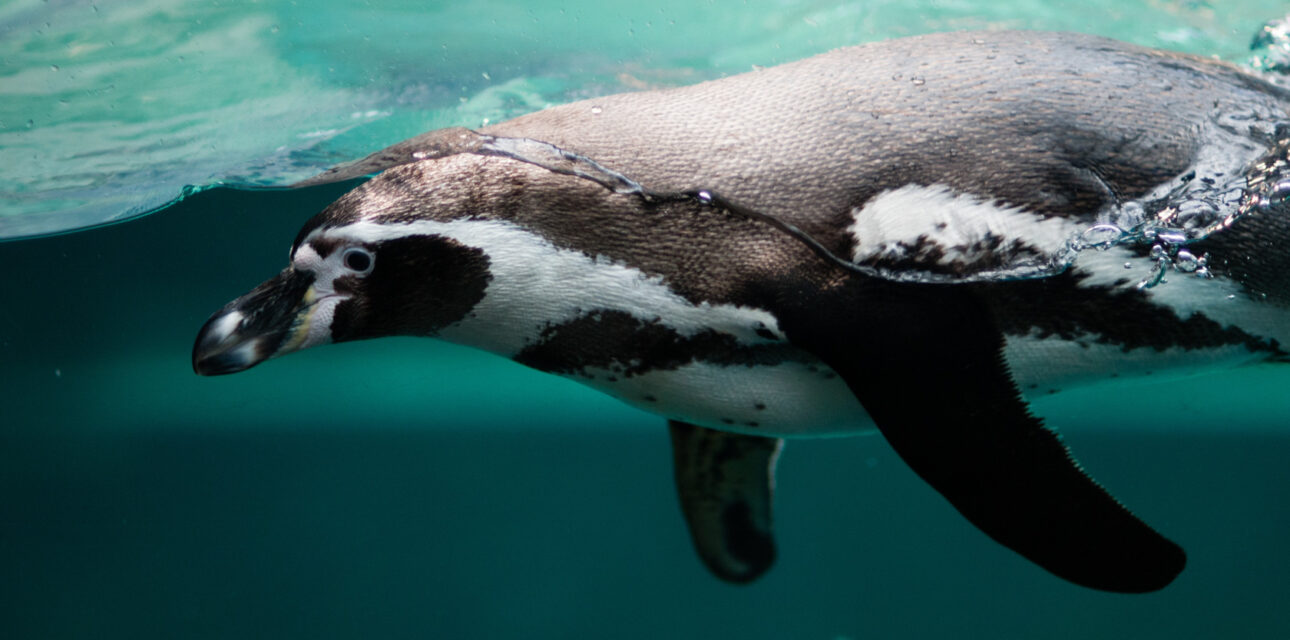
(1101, 236)
(1202, 267)
(1186, 262)
(1280, 192)
(1157, 276)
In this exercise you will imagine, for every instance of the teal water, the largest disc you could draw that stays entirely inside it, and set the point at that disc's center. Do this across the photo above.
(408, 488)
(113, 109)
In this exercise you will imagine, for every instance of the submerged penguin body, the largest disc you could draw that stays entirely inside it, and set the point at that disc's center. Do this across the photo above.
(914, 235)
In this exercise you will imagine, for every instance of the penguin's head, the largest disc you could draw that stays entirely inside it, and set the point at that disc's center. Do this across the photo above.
(353, 275)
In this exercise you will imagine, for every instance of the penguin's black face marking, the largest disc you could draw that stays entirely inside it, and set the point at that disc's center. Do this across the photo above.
(415, 285)
(346, 283)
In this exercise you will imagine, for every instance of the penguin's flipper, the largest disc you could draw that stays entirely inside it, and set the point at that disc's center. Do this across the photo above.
(725, 481)
(927, 364)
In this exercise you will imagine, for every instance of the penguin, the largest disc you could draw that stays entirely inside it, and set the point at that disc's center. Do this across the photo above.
(915, 236)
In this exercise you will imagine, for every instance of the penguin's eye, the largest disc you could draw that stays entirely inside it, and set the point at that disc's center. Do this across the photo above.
(358, 260)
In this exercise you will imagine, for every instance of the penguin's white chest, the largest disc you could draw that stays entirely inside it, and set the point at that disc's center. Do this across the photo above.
(792, 398)
(622, 331)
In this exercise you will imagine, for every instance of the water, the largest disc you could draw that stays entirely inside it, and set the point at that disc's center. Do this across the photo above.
(110, 110)
(409, 488)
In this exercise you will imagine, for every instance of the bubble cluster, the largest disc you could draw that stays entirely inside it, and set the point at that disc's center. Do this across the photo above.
(1168, 227)
(1271, 47)
(1169, 249)
(1268, 182)
(1166, 256)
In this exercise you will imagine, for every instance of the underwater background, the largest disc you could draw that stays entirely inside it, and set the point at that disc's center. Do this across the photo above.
(407, 488)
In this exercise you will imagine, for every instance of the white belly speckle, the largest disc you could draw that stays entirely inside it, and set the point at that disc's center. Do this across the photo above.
(792, 399)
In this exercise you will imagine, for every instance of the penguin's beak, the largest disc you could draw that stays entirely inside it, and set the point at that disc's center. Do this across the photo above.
(264, 323)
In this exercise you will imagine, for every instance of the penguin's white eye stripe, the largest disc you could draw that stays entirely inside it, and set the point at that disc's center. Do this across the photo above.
(358, 260)
(307, 258)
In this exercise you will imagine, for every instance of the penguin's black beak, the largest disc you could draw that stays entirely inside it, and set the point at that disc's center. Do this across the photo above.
(255, 327)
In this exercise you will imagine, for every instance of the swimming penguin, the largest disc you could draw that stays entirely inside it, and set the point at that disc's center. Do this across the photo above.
(913, 235)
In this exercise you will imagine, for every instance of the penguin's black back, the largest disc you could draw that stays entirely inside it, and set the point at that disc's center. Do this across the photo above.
(1055, 123)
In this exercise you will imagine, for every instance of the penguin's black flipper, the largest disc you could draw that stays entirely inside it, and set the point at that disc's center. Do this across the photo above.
(926, 362)
(725, 481)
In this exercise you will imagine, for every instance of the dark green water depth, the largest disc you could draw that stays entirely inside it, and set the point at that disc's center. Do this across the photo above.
(410, 489)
